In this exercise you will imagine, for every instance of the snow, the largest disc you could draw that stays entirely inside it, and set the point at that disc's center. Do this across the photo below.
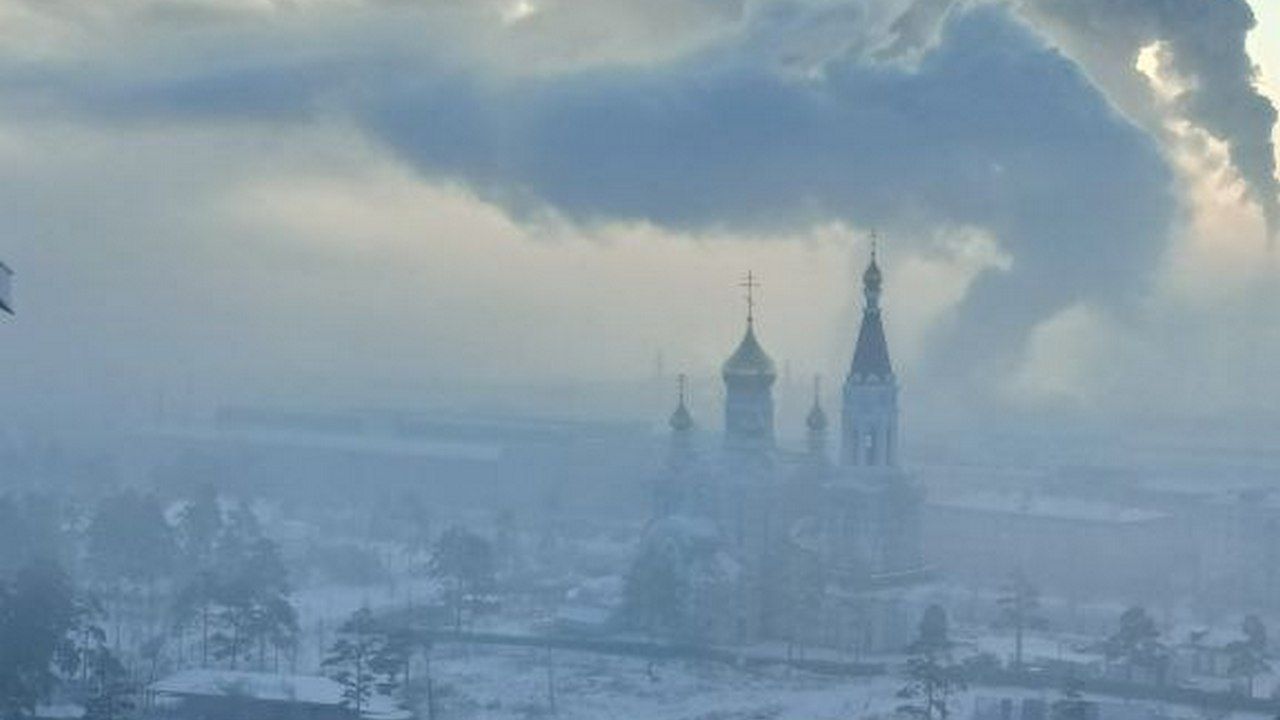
(506, 683)
(496, 684)
(59, 711)
(583, 615)
(1061, 508)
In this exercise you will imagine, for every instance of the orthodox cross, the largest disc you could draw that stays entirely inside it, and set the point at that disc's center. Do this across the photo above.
(750, 284)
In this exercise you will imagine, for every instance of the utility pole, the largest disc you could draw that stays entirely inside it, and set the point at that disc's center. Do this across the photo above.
(551, 680)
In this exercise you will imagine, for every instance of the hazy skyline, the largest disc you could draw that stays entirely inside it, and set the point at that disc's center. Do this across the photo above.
(346, 199)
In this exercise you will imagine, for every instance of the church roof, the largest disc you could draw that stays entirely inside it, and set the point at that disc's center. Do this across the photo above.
(749, 360)
(817, 419)
(681, 420)
(871, 355)
(872, 278)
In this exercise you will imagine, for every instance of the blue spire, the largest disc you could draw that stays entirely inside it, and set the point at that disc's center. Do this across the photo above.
(871, 354)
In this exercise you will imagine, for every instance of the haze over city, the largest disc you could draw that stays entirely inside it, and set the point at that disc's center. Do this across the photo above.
(878, 316)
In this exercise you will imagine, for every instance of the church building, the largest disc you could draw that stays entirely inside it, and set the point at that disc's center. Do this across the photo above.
(817, 546)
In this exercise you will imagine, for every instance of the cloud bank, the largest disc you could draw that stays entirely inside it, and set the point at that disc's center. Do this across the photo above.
(1048, 128)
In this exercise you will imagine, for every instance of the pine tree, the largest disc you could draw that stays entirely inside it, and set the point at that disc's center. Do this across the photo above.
(199, 525)
(113, 697)
(37, 613)
(130, 549)
(657, 589)
(241, 599)
(1019, 608)
(934, 634)
(932, 677)
(1247, 657)
(463, 562)
(1137, 644)
(367, 658)
(130, 540)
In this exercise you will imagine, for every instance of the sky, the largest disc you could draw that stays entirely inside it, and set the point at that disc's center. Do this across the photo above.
(380, 201)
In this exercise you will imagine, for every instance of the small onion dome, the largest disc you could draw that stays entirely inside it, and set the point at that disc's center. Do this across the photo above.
(817, 419)
(749, 360)
(872, 279)
(681, 420)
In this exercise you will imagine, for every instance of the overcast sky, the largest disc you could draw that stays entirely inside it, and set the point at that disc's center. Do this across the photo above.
(367, 199)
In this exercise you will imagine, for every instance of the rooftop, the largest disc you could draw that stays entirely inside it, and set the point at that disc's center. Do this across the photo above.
(1056, 507)
(268, 687)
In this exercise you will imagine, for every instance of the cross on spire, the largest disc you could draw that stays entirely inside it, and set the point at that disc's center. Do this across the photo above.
(750, 284)
(875, 242)
(680, 383)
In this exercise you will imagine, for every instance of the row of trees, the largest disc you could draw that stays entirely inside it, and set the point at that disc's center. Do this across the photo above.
(462, 562)
(934, 678)
(222, 578)
(233, 588)
(212, 570)
(371, 655)
(49, 637)
(1136, 643)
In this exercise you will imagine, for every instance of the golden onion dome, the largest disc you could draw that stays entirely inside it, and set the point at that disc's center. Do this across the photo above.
(749, 360)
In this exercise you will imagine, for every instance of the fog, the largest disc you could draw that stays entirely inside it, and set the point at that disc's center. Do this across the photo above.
(416, 329)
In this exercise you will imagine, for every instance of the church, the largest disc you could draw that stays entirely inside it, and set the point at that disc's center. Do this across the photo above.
(818, 547)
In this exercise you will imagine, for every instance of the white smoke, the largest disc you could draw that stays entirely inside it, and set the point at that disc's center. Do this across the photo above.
(1201, 47)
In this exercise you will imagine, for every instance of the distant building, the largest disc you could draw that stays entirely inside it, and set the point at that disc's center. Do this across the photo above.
(1069, 546)
(825, 550)
(535, 466)
(1020, 707)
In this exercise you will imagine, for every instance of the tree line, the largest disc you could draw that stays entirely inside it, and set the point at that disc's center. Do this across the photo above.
(204, 578)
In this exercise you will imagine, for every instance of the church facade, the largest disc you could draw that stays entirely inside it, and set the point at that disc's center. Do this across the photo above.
(820, 546)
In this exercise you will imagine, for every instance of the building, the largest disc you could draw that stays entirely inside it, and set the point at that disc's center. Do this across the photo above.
(1066, 545)
(206, 694)
(825, 546)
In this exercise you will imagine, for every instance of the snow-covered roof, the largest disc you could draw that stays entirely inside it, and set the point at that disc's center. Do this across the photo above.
(59, 711)
(584, 615)
(303, 689)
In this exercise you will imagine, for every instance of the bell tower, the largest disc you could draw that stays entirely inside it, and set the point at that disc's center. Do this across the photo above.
(869, 417)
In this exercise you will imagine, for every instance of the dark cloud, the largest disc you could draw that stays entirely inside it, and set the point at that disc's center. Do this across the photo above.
(991, 129)
(916, 29)
(1203, 44)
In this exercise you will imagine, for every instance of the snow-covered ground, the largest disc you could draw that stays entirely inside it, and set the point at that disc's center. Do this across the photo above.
(503, 683)
(496, 683)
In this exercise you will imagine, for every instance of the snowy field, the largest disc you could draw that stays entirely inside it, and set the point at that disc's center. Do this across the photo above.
(513, 683)
(505, 683)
